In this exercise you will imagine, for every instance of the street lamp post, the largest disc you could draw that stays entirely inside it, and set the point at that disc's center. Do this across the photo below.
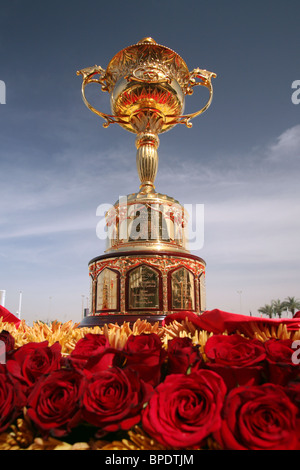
(240, 296)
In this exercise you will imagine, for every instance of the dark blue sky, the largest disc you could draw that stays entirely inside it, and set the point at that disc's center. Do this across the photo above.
(241, 159)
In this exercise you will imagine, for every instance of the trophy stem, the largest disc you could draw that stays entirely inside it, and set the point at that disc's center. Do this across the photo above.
(147, 160)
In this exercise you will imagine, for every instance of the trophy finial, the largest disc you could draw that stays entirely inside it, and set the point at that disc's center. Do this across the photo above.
(147, 40)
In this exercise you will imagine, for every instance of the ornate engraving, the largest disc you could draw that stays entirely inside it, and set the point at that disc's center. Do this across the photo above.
(158, 221)
(183, 290)
(147, 55)
(202, 293)
(107, 290)
(149, 73)
(166, 75)
(204, 76)
(143, 288)
(90, 72)
(164, 264)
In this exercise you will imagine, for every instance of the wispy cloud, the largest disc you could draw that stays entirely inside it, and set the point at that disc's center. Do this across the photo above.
(286, 147)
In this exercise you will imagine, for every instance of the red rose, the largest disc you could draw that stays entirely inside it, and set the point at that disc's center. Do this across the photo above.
(293, 391)
(32, 360)
(258, 418)
(89, 345)
(54, 403)
(182, 354)
(102, 360)
(281, 368)
(237, 359)
(12, 399)
(185, 409)
(93, 353)
(235, 349)
(145, 354)
(113, 399)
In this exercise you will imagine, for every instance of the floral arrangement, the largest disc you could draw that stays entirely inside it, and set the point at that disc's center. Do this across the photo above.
(148, 387)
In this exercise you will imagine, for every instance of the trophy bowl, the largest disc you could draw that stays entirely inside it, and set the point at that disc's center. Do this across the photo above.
(147, 83)
(147, 105)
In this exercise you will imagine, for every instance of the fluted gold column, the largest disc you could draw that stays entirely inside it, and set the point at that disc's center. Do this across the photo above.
(147, 160)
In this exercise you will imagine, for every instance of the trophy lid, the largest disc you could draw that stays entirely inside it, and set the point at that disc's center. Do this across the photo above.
(137, 59)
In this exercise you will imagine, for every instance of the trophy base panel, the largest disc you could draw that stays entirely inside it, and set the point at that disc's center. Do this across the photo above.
(100, 320)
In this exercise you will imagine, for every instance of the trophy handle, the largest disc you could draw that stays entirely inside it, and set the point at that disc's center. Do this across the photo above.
(205, 80)
(88, 75)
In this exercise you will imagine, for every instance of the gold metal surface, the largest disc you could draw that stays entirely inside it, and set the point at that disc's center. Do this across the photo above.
(147, 160)
(107, 290)
(182, 288)
(147, 268)
(147, 221)
(147, 76)
(144, 278)
(143, 288)
(147, 83)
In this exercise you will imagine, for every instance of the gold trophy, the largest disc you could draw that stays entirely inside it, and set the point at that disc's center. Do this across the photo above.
(151, 275)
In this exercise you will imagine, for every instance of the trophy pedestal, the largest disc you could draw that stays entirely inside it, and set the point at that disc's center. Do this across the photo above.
(145, 285)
